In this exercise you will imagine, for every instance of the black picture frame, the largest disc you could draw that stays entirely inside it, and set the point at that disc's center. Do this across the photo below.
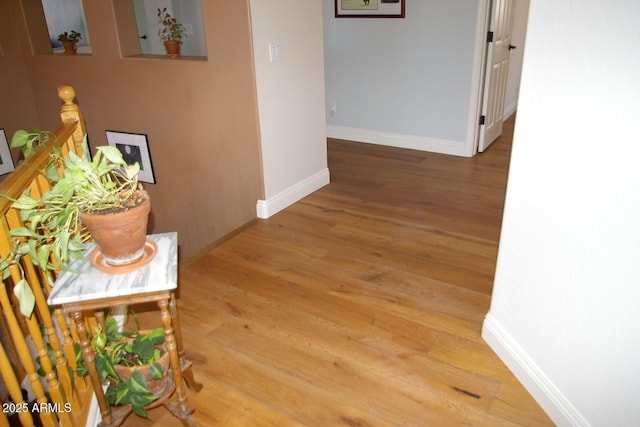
(134, 148)
(6, 161)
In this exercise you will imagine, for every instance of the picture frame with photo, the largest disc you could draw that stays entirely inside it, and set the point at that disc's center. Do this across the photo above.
(134, 148)
(6, 161)
(369, 8)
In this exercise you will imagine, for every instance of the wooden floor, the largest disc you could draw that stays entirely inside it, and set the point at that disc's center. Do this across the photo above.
(361, 305)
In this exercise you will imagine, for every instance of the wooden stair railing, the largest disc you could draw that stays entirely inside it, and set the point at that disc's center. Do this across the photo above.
(58, 397)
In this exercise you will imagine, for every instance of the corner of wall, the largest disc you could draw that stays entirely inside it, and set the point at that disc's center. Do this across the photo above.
(287, 197)
(543, 390)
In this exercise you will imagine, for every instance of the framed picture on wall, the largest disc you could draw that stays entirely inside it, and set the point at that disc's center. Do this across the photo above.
(369, 8)
(6, 161)
(135, 149)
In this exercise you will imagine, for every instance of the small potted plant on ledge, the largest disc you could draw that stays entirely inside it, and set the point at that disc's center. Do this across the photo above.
(134, 364)
(70, 41)
(171, 33)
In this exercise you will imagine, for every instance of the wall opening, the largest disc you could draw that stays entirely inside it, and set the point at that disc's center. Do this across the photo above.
(138, 27)
(65, 16)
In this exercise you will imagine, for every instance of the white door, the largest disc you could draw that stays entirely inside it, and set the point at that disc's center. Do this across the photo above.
(500, 30)
(148, 24)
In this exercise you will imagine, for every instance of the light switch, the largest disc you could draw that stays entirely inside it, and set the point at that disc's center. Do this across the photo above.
(274, 52)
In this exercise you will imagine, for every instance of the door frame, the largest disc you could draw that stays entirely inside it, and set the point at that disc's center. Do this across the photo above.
(483, 24)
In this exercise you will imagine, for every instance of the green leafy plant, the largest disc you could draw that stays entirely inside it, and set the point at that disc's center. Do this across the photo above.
(133, 349)
(171, 29)
(52, 233)
(69, 37)
(29, 141)
(52, 223)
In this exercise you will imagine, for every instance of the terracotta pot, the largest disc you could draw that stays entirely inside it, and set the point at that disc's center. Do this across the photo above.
(120, 236)
(69, 48)
(156, 387)
(173, 48)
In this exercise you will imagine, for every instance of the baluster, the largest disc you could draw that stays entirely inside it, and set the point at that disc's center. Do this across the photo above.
(68, 332)
(67, 392)
(13, 386)
(55, 391)
(23, 350)
(59, 396)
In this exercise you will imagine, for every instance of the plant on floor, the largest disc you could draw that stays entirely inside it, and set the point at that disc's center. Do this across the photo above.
(120, 358)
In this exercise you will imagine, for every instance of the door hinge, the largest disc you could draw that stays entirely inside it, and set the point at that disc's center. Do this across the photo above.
(490, 37)
(482, 120)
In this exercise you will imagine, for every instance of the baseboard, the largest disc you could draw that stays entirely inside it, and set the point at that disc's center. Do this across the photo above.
(273, 205)
(550, 398)
(433, 145)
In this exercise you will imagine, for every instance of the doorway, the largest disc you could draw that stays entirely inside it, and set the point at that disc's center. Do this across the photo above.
(506, 33)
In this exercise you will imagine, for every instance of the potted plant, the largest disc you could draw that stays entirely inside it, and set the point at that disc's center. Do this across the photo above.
(69, 41)
(171, 32)
(58, 224)
(134, 364)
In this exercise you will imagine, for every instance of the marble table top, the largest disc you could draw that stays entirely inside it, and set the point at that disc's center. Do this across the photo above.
(83, 282)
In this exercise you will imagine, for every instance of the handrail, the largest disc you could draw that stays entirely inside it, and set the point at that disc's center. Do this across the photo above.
(27, 171)
(64, 395)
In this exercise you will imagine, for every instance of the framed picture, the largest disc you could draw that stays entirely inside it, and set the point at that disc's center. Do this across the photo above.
(369, 8)
(6, 161)
(135, 149)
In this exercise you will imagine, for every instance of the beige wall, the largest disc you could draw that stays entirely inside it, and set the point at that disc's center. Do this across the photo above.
(293, 128)
(15, 92)
(200, 115)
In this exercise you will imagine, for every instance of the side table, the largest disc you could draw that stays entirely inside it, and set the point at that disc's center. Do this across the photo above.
(84, 287)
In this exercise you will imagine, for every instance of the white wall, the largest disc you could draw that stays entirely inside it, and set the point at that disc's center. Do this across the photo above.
(405, 82)
(565, 311)
(290, 100)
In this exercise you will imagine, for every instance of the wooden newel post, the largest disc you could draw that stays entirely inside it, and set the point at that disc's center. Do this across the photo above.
(70, 113)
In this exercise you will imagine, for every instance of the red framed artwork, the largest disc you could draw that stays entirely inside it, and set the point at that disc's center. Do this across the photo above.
(369, 8)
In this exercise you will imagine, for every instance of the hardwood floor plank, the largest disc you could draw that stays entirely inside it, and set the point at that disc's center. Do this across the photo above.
(360, 305)
(322, 343)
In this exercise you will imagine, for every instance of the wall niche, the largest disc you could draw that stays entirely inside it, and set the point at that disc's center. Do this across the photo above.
(138, 25)
(47, 19)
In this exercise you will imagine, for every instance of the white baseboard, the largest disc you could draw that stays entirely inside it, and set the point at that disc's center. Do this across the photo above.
(434, 145)
(273, 205)
(554, 403)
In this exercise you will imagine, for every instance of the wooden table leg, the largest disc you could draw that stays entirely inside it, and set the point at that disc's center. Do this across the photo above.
(180, 408)
(185, 364)
(89, 359)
